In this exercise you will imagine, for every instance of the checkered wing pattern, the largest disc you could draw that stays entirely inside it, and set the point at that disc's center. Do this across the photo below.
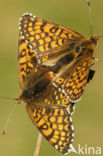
(54, 123)
(58, 98)
(46, 38)
(73, 83)
(27, 61)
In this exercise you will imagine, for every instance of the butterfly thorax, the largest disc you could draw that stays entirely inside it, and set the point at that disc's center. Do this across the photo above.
(36, 88)
(94, 39)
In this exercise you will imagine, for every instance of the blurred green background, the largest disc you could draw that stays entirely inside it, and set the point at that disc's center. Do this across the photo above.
(21, 136)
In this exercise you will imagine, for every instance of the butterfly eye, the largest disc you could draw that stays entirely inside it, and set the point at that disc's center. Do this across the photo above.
(77, 49)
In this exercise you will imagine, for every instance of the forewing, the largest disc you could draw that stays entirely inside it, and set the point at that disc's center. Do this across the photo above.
(72, 83)
(44, 37)
(54, 123)
(26, 61)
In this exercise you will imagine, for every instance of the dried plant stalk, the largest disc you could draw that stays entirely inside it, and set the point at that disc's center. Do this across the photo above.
(38, 145)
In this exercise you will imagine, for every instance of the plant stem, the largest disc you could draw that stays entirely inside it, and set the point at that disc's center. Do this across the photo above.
(38, 145)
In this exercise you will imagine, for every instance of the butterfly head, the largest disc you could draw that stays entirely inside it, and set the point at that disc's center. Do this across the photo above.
(94, 39)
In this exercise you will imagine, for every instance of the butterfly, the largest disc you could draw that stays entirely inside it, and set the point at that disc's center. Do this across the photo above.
(53, 67)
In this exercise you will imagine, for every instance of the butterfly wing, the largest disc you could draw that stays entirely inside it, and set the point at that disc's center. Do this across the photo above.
(73, 83)
(26, 61)
(54, 123)
(57, 98)
(46, 39)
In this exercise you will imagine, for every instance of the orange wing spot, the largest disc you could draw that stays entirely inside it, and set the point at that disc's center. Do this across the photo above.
(84, 64)
(38, 118)
(53, 30)
(27, 34)
(42, 34)
(30, 24)
(70, 35)
(25, 22)
(81, 77)
(44, 58)
(43, 111)
(78, 85)
(56, 97)
(41, 41)
(32, 32)
(66, 119)
(64, 144)
(22, 60)
(66, 127)
(63, 35)
(77, 81)
(38, 31)
(47, 39)
(68, 84)
(53, 140)
(56, 112)
(30, 28)
(34, 44)
(36, 70)
(60, 119)
(52, 119)
(24, 31)
(56, 136)
(60, 142)
(37, 27)
(58, 32)
(60, 80)
(31, 39)
(20, 37)
(56, 132)
(69, 91)
(58, 102)
(32, 19)
(46, 46)
(60, 127)
(37, 37)
(25, 25)
(30, 65)
(48, 27)
(74, 74)
(62, 138)
(63, 133)
(39, 23)
(49, 102)
(60, 42)
(61, 112)
(41, 48)
(22, 46)
(46, 100)
(54, 126)
(41, 122)
(47, 132)
(74, 86)
(65, 101)
(78, 67)
(61, 95)
(83, 69)
(55, 92)
(75, 91)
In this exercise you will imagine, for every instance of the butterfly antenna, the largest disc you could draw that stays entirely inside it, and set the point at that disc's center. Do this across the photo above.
(90, 19)
(5, 97)
(9, 117)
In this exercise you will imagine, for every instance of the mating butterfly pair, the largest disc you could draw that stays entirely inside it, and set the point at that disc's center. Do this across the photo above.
(54, 68)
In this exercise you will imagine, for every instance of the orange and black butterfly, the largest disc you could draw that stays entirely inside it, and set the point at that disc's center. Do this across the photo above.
(54, 68)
